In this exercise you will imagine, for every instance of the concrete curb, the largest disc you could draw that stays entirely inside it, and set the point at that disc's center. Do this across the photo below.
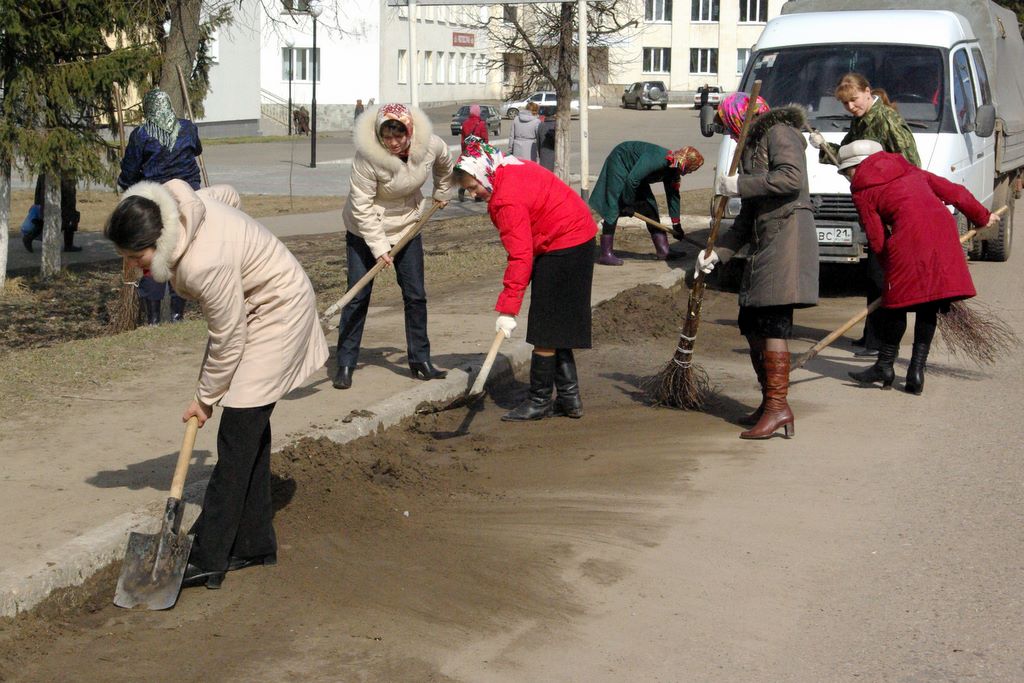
(70, 564)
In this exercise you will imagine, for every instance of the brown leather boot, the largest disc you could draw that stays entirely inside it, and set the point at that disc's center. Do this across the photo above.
(757, 361)
(776, 409)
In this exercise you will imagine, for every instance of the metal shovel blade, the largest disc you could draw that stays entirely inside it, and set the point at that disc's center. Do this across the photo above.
(154, 564)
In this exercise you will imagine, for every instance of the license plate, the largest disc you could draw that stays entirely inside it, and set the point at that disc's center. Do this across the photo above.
(835, 235)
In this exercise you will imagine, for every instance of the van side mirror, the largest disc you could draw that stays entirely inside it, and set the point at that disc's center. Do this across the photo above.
(985, 121)
(708, 127)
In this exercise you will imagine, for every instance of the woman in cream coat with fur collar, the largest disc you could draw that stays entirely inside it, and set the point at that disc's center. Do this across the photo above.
(264, 340)
(396, 151)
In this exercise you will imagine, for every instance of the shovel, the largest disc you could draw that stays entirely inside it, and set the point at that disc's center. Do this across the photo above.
(665, 228)
(154, 564)
(477, 390)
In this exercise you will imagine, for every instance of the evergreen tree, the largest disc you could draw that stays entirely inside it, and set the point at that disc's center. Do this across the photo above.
(59, 60)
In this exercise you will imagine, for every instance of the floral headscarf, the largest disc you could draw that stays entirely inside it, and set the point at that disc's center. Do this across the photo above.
(734, 107)
(161, 122)
(687, 159)
(480, 160)
(394, 112)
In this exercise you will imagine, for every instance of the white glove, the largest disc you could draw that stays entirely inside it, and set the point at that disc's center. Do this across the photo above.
(729, 185)
(816, 139)
(505, 323)
(705, 265)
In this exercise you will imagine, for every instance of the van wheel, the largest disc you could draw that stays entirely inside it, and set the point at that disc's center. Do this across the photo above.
(512, 113)
(664, 107)
(997, 248)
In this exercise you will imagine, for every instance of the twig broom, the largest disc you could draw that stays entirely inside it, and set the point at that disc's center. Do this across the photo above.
(682, 383)
(125, 315)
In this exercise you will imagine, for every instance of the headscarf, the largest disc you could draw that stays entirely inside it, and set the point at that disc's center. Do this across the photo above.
(395, 112)
(474, 110)
(480, 160)
(161, 122)
(733, 108)
(687, 159)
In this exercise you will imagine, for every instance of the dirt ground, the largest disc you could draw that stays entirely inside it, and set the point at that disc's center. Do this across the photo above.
(406, 541)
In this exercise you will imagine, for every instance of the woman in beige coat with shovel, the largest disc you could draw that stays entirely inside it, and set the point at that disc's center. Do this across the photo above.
(396, 151)
(265, 340)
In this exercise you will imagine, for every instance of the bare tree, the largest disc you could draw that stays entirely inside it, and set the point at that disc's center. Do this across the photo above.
(544, 37)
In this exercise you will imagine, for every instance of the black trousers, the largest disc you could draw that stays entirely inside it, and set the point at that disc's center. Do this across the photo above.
(238, 514)
(409, 272)
(892, 322)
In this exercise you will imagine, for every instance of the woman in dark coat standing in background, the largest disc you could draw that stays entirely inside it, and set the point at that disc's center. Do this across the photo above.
(624, 187)
(163, 148)
(548, 232)
(781, 273)
(903, 211)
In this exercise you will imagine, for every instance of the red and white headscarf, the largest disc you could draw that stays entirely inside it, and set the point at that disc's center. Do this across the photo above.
(395, 112)
(687, 159)
(480, 160)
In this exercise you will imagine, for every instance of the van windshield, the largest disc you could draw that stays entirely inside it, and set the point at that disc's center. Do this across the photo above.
(913, 77)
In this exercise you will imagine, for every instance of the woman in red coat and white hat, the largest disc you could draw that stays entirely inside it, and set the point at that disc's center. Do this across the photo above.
(903, 211)
(548, 232)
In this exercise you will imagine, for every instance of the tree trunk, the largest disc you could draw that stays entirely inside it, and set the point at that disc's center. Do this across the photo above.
(5, 218)
(51, 227)
(180, 49)
(563, 91)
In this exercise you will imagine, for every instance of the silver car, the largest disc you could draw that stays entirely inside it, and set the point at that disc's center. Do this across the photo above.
(544, 98)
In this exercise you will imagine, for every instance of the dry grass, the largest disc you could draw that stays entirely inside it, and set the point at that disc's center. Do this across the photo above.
(96, 205)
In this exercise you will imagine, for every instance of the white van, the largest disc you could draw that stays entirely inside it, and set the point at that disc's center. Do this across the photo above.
(953, 76)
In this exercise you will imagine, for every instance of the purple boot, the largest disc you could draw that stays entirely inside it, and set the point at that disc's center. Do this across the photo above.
(660, 240)
(608, 258)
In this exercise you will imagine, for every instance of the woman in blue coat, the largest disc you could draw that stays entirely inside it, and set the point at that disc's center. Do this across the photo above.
(624, 188)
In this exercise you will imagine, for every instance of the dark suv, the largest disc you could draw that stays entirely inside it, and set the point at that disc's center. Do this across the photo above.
(487, 113)
(646, 94)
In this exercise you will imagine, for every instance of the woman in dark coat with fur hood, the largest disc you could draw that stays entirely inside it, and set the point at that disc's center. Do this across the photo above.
(781, 272)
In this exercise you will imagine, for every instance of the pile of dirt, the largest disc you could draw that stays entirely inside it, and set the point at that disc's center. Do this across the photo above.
(647, 312)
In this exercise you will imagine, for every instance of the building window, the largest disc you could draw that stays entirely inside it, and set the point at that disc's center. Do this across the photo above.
(508, 13)
(403, 66)
(657, 60)
(453, 68)
(428, 66)
(658, 10)
(302, 63)
(704, 10)
(511, 67)
(704, 60)
(295, 5)
(742, 55)
(440, 68)
(753, 11)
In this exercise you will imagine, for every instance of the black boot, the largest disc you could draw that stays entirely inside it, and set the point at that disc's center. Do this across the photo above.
(177, 309)
(343, 378)
(882, 370)
(152, 311)
(26, 241)
(567, 384)
(69, 241)
(425, 370)
(915, 373)
(542, 380)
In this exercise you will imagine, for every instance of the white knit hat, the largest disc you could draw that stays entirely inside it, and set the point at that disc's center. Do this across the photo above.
(857, 151)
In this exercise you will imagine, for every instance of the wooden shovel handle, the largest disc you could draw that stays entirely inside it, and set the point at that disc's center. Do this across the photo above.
(665, 228)
(188, 107)
(485, 369)
(865, 312)
(184, 456)
(372, 273)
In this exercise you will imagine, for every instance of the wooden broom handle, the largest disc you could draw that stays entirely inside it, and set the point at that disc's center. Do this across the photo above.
(188, 107)
(865, 312)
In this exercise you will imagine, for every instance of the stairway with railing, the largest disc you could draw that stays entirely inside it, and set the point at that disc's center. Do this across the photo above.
(274, 108)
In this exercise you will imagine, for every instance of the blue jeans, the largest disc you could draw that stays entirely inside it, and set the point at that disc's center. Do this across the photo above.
(408, 265)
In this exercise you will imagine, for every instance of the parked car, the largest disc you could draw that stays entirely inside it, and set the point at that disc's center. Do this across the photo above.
(543, 98)
(646, 95)
(487, 113)
(714, 96)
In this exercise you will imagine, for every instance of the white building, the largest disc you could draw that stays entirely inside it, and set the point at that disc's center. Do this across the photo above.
(687, 43)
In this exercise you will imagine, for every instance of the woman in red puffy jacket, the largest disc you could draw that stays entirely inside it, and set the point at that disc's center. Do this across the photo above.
(903, 211)
(548, 232)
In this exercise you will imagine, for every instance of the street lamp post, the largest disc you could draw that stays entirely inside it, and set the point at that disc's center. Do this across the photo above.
(291, 69)
(314, 11)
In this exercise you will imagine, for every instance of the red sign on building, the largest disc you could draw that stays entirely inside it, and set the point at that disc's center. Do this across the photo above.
(463, 39)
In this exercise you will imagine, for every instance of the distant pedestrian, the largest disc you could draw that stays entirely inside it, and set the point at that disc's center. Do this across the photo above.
(522, 137)
(546, 138)
(163, 148)
(705, 93)
(301, 119)
(359, 109)
(474, 127)
(69, 214)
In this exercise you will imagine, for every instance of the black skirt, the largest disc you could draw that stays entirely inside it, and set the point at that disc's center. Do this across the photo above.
(559, 316)
(766, 322)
